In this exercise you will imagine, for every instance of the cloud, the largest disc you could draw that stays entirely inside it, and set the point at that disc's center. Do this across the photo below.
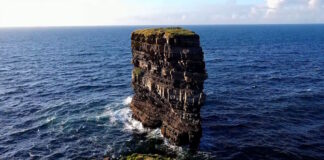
(314, 3)
(273, 6)
(266, 12)
(159, 12)
(294, 11)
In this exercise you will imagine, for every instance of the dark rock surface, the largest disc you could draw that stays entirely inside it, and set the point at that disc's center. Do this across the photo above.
(168, 79)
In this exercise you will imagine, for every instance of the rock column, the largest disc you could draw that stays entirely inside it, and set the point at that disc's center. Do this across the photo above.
(168, 79)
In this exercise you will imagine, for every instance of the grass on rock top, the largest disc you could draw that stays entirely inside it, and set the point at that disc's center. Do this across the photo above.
(169, 32)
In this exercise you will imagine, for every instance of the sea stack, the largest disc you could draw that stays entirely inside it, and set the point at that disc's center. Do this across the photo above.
(168, 81)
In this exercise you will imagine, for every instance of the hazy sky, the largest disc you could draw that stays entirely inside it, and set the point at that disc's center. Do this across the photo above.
(157, 12)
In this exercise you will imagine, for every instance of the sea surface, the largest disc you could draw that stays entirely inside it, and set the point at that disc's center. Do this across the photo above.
(65, 94)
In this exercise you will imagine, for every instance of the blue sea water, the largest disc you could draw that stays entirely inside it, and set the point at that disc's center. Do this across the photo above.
(64, 94)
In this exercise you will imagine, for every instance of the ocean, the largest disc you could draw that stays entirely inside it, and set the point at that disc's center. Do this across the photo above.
(65, 94)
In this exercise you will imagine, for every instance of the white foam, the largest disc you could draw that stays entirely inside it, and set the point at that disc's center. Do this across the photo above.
(127, 101)
(133, 125)
(178, 149)
(115, 115)
(50, 119)
(154, 133)
(109, 108)
(120, 113)
(124, 116)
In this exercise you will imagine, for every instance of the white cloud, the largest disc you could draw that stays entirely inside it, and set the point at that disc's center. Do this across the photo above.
(313, 3)
(273, 6)
(146, 12)
(294, 11)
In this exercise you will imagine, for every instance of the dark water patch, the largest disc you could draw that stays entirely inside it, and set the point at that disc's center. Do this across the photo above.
(263, 152)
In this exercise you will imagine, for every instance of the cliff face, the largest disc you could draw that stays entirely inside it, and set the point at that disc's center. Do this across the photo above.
(168, 77)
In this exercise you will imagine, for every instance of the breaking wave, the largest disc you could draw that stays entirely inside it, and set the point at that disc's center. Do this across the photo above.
(120, 114)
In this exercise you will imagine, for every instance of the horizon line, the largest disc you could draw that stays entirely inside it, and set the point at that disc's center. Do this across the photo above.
(127, 25)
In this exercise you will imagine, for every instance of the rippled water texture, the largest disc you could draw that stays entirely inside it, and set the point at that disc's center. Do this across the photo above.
(64, 93)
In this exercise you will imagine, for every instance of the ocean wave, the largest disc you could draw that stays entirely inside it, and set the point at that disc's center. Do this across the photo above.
(120, 114)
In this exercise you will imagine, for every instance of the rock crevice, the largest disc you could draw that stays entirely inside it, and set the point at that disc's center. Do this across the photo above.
(168, 79)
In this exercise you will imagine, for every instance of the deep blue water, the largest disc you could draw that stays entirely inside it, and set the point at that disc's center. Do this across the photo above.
(64, 93)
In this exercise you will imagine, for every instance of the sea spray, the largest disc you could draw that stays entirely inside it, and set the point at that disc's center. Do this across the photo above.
(127, 101)
(120, 113)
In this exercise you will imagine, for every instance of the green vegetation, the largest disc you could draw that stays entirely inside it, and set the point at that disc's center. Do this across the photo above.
(168, 32)
(137, 71)
(136, 156)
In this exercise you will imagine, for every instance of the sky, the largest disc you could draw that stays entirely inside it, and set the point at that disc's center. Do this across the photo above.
(20, 13)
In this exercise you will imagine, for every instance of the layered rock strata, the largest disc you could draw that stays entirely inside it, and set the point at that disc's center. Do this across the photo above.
(168, 80)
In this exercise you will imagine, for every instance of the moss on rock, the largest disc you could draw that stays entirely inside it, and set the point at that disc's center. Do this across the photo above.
(137, 71)
(169, 32)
